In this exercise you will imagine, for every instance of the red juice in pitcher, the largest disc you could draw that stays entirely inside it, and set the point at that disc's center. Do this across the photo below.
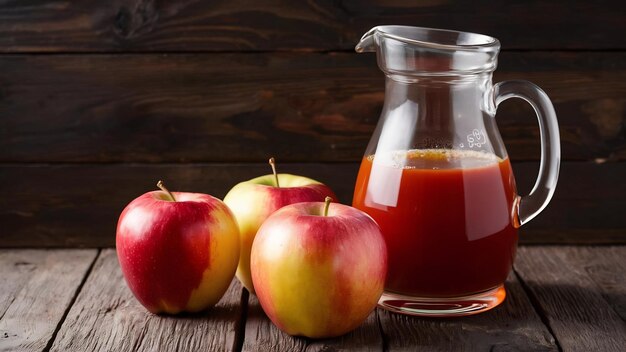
(446, 216)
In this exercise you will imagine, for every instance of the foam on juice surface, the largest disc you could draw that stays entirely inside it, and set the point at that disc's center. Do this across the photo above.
(435, 159)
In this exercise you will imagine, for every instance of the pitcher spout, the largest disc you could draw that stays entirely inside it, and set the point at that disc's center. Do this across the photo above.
(408, 51)
(367, 43)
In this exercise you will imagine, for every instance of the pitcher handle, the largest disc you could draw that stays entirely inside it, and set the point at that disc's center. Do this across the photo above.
(527, 207)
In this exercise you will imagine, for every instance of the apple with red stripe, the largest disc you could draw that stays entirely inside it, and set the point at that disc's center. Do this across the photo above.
(178, 251)
(318, 268)
(254, 200)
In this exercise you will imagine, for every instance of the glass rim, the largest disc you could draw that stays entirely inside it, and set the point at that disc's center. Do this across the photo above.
(477, 41)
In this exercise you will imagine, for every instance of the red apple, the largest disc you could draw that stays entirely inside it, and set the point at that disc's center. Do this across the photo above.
(318, 272)
(254, 200)
(178, 251)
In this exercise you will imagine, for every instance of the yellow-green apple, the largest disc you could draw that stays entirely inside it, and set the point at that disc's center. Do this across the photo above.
(254, 200)
(318, 269)
(178, 251)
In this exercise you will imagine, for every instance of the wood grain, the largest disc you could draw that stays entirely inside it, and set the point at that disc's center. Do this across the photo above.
(367, 338)
(37, 289)
(194, 25)
(262, 335)
(570, 299)
(606, 266)
(39, 199)
(106, 317)
(512, 326)
(300, 107)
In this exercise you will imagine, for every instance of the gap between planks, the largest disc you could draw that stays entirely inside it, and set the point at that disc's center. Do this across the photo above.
(580, 292)
(545, 275)
(537, 307)
(69, 306)
(38, 289)
(107, 317)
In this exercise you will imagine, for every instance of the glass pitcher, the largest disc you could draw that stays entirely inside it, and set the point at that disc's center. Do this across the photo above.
(436, 176)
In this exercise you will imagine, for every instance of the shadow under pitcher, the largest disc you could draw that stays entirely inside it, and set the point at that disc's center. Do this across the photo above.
(436, 176)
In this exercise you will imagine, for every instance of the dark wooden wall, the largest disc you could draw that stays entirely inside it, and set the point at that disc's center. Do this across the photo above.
(99, 99)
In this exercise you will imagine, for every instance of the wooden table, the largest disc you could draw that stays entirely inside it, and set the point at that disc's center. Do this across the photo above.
(570, 298)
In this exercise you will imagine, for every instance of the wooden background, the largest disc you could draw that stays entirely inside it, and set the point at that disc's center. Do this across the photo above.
(100, 99)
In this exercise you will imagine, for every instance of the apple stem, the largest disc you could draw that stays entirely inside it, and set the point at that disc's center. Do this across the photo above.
(273, 165)
(162, 187)
(327, 201)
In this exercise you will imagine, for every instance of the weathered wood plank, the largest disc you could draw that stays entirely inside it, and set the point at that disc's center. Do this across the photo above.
(37, 288)
(94, 196)
(367, 338)
(194, 25)
(262, 335)
(15, 269)
(587, 205)
(606, 266)
(106, 317)
(512, 326)
(39, 200)
(242, 107)
(570, 299)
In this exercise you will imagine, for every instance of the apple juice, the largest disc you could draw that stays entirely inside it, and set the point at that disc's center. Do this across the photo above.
(443, 214)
